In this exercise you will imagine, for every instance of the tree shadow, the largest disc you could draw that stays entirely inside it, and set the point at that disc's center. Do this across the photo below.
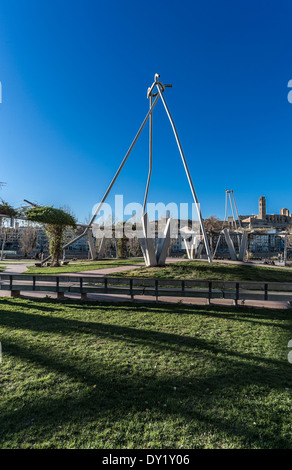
(240, 313)
(115, 391)
(117, 394)
(159, 340)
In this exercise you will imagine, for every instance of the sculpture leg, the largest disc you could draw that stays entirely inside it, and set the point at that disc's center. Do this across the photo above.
(147, 243)
(230, 245)
(163, 244)
(91, 244)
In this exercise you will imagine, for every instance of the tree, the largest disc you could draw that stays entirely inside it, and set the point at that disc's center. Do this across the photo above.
(4, 232)
(7, 209)
(55, 221)
(134, 247)
(121, 241)
(213, 224)
(28, 240)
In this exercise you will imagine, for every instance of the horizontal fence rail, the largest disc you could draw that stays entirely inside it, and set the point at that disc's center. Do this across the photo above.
(182, 288)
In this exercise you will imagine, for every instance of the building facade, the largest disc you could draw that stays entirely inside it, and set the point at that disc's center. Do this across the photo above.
(278, 222)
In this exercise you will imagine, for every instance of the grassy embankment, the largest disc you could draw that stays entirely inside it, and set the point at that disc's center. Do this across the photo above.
(202, 270)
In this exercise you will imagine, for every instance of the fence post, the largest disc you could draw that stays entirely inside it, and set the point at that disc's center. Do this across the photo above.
(266, 292)
(131, 289)
(236, 294)
(182, 288)
(210, 292)
(156, 289)
(13, 292)
(60, 295)
(83, 294)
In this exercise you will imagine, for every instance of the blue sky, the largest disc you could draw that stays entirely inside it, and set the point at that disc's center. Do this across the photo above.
(74, 79)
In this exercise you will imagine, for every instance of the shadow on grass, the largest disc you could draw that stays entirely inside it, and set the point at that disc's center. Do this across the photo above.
(240, 313)
(160, 341)
(121, 391)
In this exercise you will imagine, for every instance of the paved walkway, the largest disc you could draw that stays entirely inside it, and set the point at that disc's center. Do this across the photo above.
(148, 299)
(15, 269)
(105, 271)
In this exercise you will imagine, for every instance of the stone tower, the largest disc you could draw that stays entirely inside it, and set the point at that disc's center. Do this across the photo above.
(262, 207)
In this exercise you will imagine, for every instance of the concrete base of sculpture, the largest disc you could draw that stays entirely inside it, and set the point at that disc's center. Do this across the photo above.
(154, 253)
(91, 245)
(102, 248)
(194, 248)
(242, 243)
(230, 245)
(243, 246)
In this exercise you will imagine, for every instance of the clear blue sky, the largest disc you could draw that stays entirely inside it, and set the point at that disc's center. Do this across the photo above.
(74, 80)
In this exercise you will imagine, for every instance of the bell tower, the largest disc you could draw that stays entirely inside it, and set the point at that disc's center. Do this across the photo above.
(262, 207)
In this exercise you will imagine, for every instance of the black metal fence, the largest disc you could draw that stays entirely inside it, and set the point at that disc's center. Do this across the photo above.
(157, 288)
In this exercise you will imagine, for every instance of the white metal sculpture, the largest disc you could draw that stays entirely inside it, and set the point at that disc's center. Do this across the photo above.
(194, 245)
(237, 227)
(154, 252)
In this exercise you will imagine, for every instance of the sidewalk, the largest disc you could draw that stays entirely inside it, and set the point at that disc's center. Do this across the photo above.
(149, 299)
(15, 269)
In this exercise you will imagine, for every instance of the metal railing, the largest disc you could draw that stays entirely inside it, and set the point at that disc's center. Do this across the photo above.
(157, 288)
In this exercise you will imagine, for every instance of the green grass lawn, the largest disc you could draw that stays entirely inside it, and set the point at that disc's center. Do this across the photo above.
(110, 376)
(83, 266)
(202, 270)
